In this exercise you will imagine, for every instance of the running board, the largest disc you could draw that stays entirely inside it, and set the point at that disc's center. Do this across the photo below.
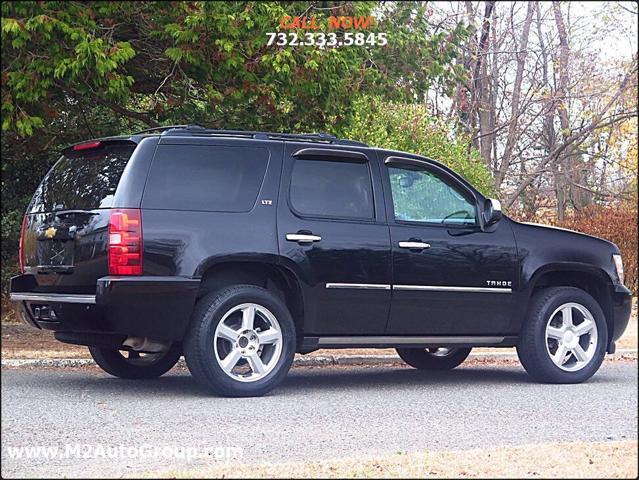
(388, 341)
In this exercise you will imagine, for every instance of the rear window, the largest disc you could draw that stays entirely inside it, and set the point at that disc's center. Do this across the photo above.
(205, 178)
(84, 180)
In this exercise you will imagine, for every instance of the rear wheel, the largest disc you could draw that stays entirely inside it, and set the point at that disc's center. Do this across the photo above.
(565, 336)
(131, 364)
(434, 358)
(241, 341)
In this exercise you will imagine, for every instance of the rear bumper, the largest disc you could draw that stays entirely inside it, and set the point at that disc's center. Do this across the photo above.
(146, 306)
(621, 307)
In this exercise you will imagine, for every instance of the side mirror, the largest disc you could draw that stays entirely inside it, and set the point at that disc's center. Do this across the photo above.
(492, 211)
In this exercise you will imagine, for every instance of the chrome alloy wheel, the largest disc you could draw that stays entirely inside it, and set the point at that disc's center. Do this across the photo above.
(571, 337)
(248, 342)
(441, 351)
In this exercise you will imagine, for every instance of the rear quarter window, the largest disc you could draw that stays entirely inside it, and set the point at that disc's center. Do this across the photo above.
(205, 178)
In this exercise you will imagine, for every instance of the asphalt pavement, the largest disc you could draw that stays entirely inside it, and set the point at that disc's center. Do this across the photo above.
(102, 426)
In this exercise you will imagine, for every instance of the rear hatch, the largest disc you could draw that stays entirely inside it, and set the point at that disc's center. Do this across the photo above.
(65, 232)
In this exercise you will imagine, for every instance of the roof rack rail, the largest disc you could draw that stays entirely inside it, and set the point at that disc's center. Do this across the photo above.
(160, 129)
(171, 130)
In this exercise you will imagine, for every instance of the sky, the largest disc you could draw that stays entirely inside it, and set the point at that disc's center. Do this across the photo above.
(620, 25)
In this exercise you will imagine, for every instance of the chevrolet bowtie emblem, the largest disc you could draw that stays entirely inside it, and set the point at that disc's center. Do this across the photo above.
(50, 232)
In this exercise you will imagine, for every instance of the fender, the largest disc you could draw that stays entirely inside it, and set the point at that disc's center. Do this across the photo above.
(528, 282)
(213, 260)
(569, 268)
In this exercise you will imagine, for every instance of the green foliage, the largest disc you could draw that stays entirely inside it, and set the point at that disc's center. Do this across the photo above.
(417, 56)
(208, 62)
(411, 128)
(49, 46)
(11, 223)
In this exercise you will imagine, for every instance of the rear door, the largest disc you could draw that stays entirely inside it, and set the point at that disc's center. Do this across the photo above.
(332, 232)
(65, 230)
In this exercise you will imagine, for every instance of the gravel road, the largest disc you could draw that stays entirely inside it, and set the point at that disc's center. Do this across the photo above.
(319, 413)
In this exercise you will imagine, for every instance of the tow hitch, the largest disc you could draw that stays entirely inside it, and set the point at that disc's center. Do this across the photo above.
(44, 313)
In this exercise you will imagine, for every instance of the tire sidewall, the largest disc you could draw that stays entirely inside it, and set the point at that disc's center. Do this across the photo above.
(543, 312)
(112, 362)
(422, 359)
(199, 344)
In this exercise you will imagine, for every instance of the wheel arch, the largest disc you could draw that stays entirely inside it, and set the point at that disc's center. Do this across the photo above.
(588, 278)
(263, 271)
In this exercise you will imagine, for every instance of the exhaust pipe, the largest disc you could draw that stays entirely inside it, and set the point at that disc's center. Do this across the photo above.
(144, 344)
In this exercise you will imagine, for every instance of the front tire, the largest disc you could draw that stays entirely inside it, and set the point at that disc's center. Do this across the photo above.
(434, 358)
(564, 337)
(134, 365)
(241, 341)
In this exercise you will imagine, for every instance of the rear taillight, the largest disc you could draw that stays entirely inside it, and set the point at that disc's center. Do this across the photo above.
(125, 242)
(21, 251)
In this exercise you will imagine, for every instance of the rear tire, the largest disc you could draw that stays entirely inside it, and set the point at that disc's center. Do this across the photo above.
(241, 341)
(434, 358)
(135, 366)
(564, 337)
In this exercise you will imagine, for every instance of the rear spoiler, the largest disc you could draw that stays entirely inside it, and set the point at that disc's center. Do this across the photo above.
(97, 143)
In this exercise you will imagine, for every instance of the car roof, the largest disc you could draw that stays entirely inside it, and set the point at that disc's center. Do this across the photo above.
(319, 139)
(199, 131)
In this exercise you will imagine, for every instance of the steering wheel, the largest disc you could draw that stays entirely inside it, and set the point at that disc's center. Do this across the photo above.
(453, 214)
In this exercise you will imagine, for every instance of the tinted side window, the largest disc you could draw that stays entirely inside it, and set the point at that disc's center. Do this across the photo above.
(332, 189)
(207, 178)
(421, 196)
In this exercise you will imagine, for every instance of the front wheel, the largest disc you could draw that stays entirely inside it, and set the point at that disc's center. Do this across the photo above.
(434, 358)
(564, 337)
(131, 364)
(241, 341)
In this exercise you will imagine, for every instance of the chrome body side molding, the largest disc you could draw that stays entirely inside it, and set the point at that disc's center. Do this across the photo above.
(363, 286)
(430, 288)
(426, 288)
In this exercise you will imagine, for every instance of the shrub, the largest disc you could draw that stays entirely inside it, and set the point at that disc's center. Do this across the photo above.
(617, 224)
(411, 128)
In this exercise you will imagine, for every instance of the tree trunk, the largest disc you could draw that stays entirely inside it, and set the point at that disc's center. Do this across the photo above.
(564, 160)
(462, 99)
(480, 102)
(513, 130)
(549, 136)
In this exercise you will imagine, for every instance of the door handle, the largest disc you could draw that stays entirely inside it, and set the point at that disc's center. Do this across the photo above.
(302, 237)
(414, 245)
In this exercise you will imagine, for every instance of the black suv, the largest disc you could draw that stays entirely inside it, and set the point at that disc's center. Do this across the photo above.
(238, 249)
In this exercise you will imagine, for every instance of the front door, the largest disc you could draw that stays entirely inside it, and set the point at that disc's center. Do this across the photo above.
(450, 277)
(332, 233)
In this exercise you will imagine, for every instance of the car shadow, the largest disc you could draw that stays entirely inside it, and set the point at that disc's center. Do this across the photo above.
(376, 377)
(178, 382)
